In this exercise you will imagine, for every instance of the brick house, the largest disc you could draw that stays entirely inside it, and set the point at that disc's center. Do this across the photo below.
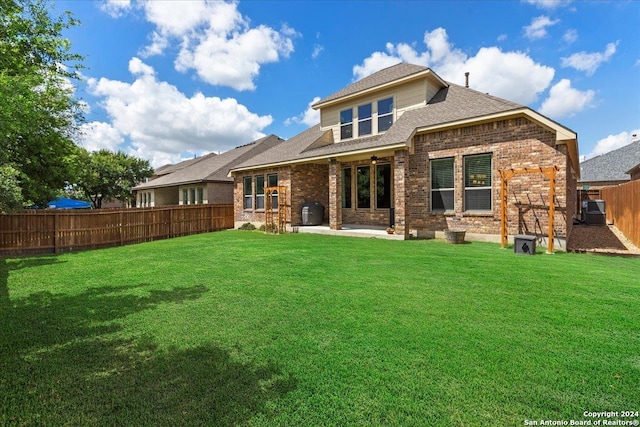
(200, 180)
(403, 146)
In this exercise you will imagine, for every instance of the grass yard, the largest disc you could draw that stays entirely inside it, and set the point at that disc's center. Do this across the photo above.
(242, 328)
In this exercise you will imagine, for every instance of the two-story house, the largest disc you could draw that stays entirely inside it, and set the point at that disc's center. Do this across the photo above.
(404, 147)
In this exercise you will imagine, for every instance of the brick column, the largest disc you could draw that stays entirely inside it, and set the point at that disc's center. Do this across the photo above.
(400, 182)
(335, 195)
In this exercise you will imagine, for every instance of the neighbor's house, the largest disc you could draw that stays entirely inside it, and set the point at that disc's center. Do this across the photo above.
(201, 180)
(403, 146)
(612, 168)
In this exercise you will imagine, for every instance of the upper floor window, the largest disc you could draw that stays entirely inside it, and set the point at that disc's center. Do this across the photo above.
(385, 114)
(346, 124)
(364, 120)
(477, 182)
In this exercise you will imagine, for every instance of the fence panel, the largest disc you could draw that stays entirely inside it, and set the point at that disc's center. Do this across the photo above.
(623, 208)
(50, 231)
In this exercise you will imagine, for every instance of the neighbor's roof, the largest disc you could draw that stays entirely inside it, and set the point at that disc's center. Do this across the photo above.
(611, 166)
(377, 79)
(213, 167)
(450, 104)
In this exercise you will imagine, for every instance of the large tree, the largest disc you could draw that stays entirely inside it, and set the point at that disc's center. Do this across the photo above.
(105, 175)
(39, 114)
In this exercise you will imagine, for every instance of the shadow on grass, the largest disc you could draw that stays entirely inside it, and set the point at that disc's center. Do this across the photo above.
(63, 363)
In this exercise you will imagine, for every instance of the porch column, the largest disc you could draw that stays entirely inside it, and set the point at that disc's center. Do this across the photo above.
(335, 195)
(400, 187)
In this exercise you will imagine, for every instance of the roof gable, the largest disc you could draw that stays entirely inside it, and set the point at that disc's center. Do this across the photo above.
(383, 77)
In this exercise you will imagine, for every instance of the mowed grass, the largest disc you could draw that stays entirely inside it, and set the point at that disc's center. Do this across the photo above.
(243, 328)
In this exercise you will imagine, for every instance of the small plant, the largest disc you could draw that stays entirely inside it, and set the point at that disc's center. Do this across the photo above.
(247, 226)
(261, 227)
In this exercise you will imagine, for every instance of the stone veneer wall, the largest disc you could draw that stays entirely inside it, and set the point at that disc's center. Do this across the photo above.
(513, 143)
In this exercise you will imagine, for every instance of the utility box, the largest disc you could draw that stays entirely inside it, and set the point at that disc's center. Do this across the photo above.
(595, 212)
(524, 244)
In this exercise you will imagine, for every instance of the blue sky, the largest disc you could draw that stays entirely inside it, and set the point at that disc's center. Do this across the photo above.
(167, 80)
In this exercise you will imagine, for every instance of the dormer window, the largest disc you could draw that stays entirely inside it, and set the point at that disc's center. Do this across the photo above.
(346, 124)
(364, 120)
(385, 114)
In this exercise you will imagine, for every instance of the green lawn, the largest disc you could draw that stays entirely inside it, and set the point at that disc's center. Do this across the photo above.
(243, 328)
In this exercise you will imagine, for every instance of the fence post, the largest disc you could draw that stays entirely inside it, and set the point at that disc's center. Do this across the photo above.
(120, 225)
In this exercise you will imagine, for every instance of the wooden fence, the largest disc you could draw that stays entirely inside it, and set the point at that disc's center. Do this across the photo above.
(55, 231)
(623, 208)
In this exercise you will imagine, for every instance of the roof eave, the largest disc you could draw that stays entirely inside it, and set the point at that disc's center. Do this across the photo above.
(317, 158)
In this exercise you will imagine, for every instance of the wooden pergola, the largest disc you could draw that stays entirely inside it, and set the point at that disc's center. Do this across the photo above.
(505, 176)
(275, 222)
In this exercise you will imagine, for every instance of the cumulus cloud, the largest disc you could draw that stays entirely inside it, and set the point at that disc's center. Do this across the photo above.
(565, 100)
(613, 142)
(96, 136)
(548, 4)
(511, 75)
(215, 40)
(115, 8)
(538, 27)
(162, 123)
(309, 117)
(589, 62)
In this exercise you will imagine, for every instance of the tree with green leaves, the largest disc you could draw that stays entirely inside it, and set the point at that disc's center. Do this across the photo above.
(39, 115)
(105, 176)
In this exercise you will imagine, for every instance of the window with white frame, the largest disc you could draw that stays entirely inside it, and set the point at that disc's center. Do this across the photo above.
(442, 185)
(364, 120)
(477, 183)
(385, 114)
(260, 192)
(200, 195)
(185, 197)
(346, 124)
(248, 192)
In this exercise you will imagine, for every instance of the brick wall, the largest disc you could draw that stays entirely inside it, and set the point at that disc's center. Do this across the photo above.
(256, 216)
(310, 184)
(219, 193)
(513, 143)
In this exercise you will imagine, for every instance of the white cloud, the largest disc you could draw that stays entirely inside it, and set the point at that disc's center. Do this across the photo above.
(538, 27)
(613, 142)
(96, 136)
(161, 122)
(570, 36)
(317, 50)
(215, 40)
(548, 4)
(502, 37)
(589, 62)
(510, 75)
(116, 8)
(309, 117)
(566, 101)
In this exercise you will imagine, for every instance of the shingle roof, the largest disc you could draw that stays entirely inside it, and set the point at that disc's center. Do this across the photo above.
(213, 167)
(381, 77)
(611, 166)
(448, 105)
